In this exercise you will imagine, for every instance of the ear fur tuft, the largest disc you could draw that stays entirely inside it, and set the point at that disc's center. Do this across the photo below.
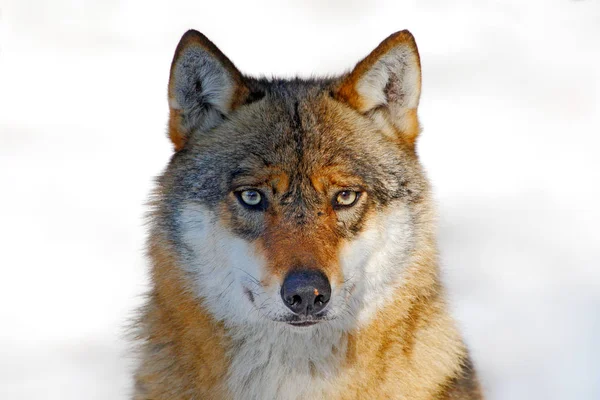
(204, 86)
(386, 85)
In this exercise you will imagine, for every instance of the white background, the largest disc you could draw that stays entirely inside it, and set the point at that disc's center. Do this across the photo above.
(511, 117)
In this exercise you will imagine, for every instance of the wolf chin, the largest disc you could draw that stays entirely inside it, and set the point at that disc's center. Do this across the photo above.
(292, 239)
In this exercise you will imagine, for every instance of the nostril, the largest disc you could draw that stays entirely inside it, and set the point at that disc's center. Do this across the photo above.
(319, 300)
(294, 300)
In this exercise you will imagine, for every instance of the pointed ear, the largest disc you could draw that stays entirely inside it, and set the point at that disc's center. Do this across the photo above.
(204, 86)
(386, 85)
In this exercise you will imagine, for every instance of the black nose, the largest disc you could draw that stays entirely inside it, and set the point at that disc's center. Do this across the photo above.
(306, 292)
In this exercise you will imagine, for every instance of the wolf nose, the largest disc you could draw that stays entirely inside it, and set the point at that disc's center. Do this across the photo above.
(306, 291)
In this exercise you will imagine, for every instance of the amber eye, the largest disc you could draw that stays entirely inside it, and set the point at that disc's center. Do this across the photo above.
(346, 198)
(250, 197)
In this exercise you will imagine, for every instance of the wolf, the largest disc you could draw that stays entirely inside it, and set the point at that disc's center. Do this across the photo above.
(292, 239)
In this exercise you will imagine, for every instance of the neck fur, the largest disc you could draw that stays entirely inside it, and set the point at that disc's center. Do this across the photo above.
(273, 360)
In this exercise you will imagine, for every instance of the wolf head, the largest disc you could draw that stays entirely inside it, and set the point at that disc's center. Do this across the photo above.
(294, 202)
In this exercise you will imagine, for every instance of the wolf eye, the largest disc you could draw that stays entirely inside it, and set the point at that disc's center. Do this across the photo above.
(346, 198)
(250, 197)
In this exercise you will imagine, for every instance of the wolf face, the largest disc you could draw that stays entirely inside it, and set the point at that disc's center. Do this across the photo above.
(293, 203)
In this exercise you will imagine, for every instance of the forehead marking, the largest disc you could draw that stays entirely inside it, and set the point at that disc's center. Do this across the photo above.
(335, 176)
(273, 176)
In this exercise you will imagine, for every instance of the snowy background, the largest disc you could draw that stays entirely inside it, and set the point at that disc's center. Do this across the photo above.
(511, 116)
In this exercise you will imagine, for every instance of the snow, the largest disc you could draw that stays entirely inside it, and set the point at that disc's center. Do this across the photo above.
(511, 118)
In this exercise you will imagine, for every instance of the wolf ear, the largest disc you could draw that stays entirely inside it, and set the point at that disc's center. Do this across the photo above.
(386, 85)
(204, 86)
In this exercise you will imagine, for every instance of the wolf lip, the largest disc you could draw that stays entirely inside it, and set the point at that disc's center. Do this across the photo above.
(303, 323)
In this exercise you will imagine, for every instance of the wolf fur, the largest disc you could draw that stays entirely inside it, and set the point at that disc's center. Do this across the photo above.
(215, 326)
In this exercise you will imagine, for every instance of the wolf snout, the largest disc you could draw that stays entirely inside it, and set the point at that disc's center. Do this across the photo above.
(306, 292)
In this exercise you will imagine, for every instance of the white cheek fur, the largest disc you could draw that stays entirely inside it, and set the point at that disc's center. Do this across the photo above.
(268, 359)
(216, 262)
(224, 267)
(373, 262)
(271, 359)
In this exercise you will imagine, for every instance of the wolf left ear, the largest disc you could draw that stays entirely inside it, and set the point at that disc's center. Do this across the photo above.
(204, 86)
(386, 85)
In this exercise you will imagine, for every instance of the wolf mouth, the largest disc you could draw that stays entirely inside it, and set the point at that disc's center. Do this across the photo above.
(305, 323)
(301, 322)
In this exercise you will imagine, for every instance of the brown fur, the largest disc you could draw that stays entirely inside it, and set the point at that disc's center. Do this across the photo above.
(185, 353)
(347, 90)
(409, 349)
(464, 386)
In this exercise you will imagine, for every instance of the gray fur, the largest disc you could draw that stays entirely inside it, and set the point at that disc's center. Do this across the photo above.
(234, 128)
(202, 89)
(289, 128)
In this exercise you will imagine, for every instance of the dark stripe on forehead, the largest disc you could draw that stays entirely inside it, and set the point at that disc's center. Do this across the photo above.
(296, 120)
(297, 129)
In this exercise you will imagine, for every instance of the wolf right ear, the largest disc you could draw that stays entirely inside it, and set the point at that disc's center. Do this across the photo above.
(386, 85)
(204, 86)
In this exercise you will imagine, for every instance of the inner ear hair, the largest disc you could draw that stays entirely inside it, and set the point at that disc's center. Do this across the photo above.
(204, 87)
(386, 86)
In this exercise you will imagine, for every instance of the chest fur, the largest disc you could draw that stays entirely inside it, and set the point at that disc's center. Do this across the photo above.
(284, 364)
